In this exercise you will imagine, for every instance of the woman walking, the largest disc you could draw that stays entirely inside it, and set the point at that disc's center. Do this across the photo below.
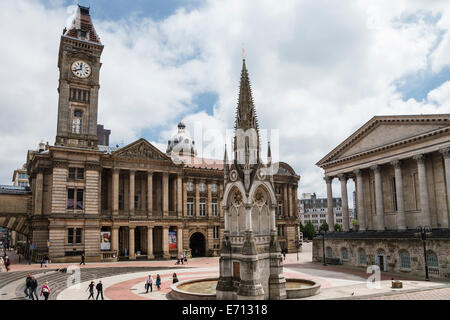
(45, 290)
(158, 282)
(174, 278)
(91, 290)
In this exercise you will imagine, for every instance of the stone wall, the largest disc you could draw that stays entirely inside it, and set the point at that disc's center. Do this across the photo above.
(392, 249)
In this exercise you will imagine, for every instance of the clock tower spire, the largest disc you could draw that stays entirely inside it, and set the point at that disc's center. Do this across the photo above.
(79, 68)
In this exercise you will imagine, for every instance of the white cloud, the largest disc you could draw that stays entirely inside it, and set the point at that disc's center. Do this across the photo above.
(318, 72)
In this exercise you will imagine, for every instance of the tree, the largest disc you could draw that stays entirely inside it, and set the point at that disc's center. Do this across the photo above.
(309, 231)
(302, 228)
(337, 227)
(324, 227)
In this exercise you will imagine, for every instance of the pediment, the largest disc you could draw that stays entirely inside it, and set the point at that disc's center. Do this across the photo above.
(384, 131)
(141, 149)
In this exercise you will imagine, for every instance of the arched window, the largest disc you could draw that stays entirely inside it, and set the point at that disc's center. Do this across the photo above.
(344, 254)
(405, 260)
(433, 263)
(77, 122)
(329, 253)
(362, 256)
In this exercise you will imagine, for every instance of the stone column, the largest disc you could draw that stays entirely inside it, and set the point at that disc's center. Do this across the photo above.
(209, 213)
(165, 243)
(401, 219)
(132, 187)
(285, 202)
(197, 199)
(273, 224)
(185, 198)
(248, 218)
(180, 240)
(424, 201)
(295, 199)
(360, 200)
(115, 239)
(131, 243)
(290, 200)
(39, 192)
(379, 204)
(179, 196)
(165, 193)
(445, 217)
(226, 219)
(150, 243)
(330, 209)
(149, 193)
(345, 222)
(115, 191)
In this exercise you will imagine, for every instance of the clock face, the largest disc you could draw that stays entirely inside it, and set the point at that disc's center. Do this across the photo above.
(81, 69)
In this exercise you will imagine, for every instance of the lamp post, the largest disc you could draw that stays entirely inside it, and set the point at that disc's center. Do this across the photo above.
(422, 233)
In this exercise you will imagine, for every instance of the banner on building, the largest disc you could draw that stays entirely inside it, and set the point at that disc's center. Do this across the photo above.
(172, 240)
(105, 243)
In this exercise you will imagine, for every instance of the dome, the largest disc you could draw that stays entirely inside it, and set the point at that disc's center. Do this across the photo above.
(181, 143)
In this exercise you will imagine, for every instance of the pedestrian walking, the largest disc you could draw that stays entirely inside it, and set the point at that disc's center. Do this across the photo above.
(27, 289)
(46, 260)
(91, 290)
(99, 288)
(7, 263)
(82, 260)
(181, 258)
(149, 284)
(158, 282)
(33, 288)
(45, 290)
(174, 278)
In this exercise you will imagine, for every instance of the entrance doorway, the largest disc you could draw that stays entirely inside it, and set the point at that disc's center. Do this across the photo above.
(381, 260)
(197, 243)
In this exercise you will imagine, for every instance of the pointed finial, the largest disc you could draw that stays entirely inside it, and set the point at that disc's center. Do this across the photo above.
(243, 51)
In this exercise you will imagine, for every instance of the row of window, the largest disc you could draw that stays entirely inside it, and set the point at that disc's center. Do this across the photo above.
(405, 258)
(201, 187)
(79, 95)
(23, 176)
(202, 207)
(76, 173)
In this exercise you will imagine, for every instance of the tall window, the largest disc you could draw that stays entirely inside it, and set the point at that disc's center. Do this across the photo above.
(203, 207)
(329, 252)
(362, 256)
(77, 123)
(405, 260)
(214, 207)
(344, 254)
(433, 263)
(76, 173)
(280, 208)
(75, 199)
(281, 229)
(216, 232)
(74, 236)
(394, 193)
(190, 206)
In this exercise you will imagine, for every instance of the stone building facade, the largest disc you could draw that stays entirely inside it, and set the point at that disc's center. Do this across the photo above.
(125, 202)
(401, 169)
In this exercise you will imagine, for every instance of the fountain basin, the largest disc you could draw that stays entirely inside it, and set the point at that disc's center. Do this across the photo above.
(205, 289)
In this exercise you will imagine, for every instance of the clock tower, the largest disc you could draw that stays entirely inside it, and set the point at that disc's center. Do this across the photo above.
(79, 68)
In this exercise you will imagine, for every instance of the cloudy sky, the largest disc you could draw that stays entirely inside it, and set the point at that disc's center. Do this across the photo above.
(318, 70)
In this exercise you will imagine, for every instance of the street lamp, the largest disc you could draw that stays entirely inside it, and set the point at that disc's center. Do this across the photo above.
(323, 233)
(422, 233)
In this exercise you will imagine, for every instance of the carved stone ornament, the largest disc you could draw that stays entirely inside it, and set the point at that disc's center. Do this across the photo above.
(233, 175)
(237, 198)
(142, 151)
(259, 198)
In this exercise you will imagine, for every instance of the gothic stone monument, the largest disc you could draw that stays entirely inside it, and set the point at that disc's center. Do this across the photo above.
(251, 265)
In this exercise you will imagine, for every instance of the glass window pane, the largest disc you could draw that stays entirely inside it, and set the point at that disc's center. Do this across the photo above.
(80, 199)
(78, 235)
(70, 235)
(80, 173)
(70, 198)
(71, 173)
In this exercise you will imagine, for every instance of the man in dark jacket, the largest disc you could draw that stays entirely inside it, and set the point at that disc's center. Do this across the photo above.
(82, 260)
(34, 285)
(99, 288)
(27, 286)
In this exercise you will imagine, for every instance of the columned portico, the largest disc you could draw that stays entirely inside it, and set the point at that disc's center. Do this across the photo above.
(165, 193)
(423, 187)
(330, 209)
(345, 222)
(132, 188)
(149, 193)
(401, 219)
(115, 191)
(165, 239)
(150, 243)
(379, 203)
(360, 200)
(446, 154)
